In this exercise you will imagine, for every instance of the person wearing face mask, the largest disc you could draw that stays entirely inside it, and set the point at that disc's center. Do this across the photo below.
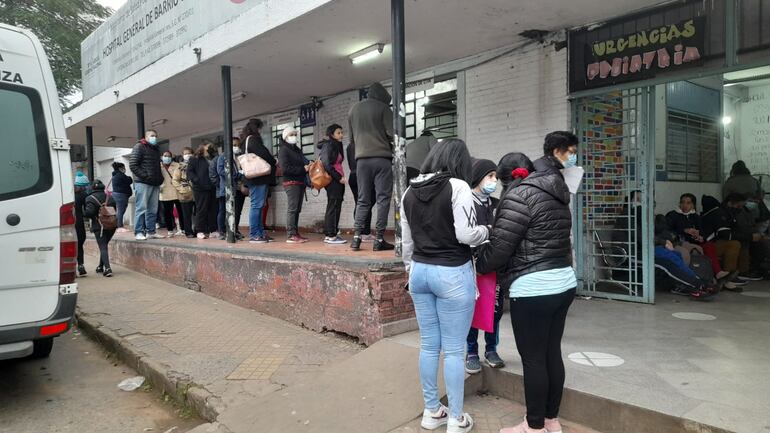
(240, 186)
(204, 191)
(222, 191)
(184, 192)
(484, 184)
(530, 242)
(144, 163)
(332, 156)
(121, 191)
(295, 167)
(169, 196)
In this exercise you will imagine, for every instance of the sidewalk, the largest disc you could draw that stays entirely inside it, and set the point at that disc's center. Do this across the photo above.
(246, 372)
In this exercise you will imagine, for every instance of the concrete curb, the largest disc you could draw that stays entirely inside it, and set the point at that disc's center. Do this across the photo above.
(177, 386)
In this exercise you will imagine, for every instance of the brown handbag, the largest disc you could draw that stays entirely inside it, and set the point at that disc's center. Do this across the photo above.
(319, 178)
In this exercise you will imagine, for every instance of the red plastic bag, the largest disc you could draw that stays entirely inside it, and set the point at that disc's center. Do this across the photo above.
(484, 314)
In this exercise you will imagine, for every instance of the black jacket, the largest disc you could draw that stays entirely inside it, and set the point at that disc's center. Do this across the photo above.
(292, 162)
(91, 209)
(122, 183)
(330, 151)
(253, 144)
(198, 174)
(144, 163)
(532, 226)
(715, 220)
(371, 124)
(485, 212)
(678, 222)
(741, 223)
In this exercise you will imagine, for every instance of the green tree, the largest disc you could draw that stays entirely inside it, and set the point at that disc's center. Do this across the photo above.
(60, 25)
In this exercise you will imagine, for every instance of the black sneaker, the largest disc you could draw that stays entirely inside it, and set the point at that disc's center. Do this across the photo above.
(82, 270)
(752, 276)
(382, 245)
(190, 236)
(494, 360)
(107, 272)
(99, 269)
(355, 245)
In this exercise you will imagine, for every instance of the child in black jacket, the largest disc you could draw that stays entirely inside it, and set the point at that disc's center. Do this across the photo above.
(103, 235)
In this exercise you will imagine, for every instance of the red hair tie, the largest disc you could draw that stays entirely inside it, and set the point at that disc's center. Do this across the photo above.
(520, 173)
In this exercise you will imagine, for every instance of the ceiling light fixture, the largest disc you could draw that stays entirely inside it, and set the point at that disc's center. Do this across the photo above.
(727, 120)
(237, 96)
(367, 53)
(159, 122)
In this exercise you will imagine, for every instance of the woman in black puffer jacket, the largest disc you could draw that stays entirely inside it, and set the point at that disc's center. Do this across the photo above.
(530, 242)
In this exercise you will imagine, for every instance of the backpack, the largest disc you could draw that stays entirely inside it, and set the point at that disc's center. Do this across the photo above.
(107, 216)
(319, 178)
(701, 265)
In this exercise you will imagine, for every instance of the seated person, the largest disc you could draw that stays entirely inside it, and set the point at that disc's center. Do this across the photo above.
(685, 222)
(754, 247)
(719, 241)
(670, 262)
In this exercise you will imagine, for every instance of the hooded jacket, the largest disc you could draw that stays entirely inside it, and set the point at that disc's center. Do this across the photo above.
(144, 163)
(418, 150)
(678, 222)
(532, 226)
(715, 221)
(91, 209)
(744, 184)
(371, 125)
(443, 221)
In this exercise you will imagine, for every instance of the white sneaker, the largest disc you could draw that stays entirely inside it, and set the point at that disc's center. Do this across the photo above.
(179, 232)
(463, 425)
(155, 236)
(140, 237)
(201, 236)
(434, 420)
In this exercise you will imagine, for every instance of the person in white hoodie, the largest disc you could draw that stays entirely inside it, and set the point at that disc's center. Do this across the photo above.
(438, 228)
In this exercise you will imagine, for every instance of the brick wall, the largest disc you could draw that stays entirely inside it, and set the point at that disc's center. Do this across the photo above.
(511, 103)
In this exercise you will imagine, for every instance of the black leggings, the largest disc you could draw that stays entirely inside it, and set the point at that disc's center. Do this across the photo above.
(206, 207)
(538, 325)
(103, 240)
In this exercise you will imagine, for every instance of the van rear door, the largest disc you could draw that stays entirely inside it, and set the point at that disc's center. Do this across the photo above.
(30, 186)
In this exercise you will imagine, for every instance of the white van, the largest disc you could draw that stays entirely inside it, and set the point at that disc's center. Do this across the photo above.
(38, 245)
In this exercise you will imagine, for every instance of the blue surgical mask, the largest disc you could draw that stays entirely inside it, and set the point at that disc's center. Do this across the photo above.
(489, 188)
(166, 160)
(571, 161)
(153, 140)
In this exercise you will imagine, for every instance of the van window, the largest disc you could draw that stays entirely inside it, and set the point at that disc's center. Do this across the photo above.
(25, 165)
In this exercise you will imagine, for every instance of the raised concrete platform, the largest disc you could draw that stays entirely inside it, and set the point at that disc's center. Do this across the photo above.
(315, 285)
(676, 375)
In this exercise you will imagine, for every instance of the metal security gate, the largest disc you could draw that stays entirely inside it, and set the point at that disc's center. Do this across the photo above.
(614, 206)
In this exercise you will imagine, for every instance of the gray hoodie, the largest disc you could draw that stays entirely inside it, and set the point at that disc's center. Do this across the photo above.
(371, 125)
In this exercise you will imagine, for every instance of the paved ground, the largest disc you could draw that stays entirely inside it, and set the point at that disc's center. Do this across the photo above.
(75, 390)
(713, 370)
(490, 414)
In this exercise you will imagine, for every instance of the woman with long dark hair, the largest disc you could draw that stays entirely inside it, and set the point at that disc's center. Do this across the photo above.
(332, 156)
(251, 139)
(121, 191)
(530, 243)
(438, 226)
(204, 190)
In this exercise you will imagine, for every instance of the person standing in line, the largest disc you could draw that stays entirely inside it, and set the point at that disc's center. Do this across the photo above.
(222, 192)
(203, 191)
(417, 151)
(169, 196)
(185, 193)
(94, 202)
(438, 225)
(81, 192)
(531, 242)
(332, 157)
(121, 191)
(252, 141)
(295, 167)
(371, 129)
(240, 198)
(350, 154)
(144, 163)
(484, 183)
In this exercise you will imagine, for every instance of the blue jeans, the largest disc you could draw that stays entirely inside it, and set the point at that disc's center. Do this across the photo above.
(146, 208)
(257, 195)
(444, 298)
(121, 202)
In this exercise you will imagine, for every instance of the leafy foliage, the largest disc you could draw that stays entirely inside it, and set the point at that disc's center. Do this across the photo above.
(60, 25)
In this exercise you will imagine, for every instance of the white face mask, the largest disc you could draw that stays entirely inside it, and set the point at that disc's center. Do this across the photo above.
(186, 157)
(237, 150)
(292, 139)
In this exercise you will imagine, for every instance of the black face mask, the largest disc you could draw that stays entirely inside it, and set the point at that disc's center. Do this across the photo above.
(213, 153)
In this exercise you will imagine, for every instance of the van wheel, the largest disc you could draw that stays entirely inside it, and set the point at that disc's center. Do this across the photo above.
(42, 348)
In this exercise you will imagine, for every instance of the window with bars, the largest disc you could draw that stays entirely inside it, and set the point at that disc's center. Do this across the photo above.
(692, 147)
(306, 138)
(432, 111)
